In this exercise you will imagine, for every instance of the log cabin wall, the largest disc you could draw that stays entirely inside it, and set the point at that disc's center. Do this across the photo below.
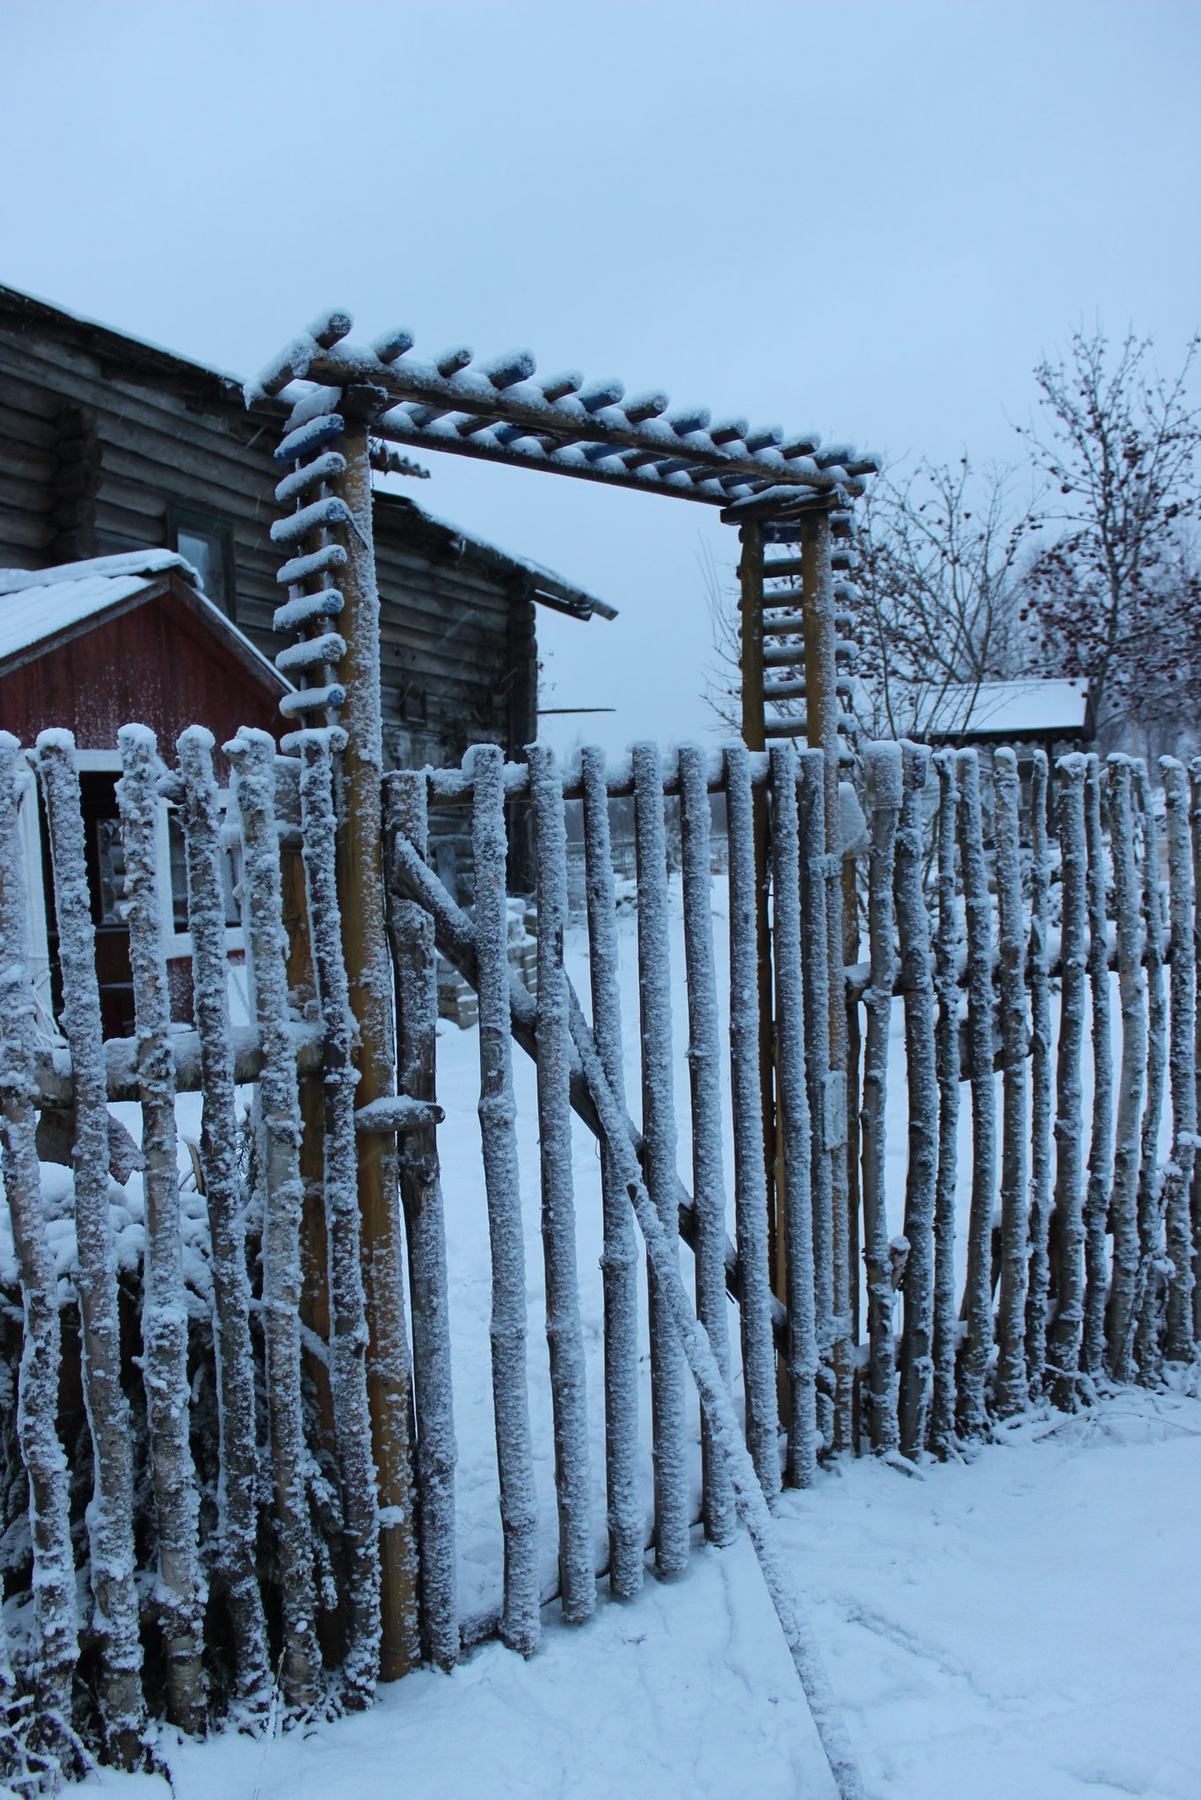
(109, 445)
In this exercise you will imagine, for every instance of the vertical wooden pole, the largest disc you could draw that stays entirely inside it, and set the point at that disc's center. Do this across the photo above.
(821, 707)
(754, 736)
(364, 945)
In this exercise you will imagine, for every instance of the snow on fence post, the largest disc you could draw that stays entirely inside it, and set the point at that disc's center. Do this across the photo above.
(55, 1615)
(794, 1211)
(946, 1067)
(1195, 1192)
(411, 931)
(520, 1623)
(1100, 1156)
(237, 1505)
(883, 768)
(1038, 1284)
(750, 1179)
(814, 953)
(110, 1514)
(252, 757)
(1149, 1286)
(1063, 1348)
(1132, 987)
(1010, 1388)
(921, 1176)
(564, 1333)
(1178, 1344)
(348, 1317)
(977, 1345)
(708, 1173)
(181, 1586)
(619, 1260)
(659, 1133)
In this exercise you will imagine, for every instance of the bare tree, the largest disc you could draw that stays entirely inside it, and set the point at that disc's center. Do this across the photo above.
(1113, 596)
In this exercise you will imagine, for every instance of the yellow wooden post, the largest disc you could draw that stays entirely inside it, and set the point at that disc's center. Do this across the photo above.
(361, 896)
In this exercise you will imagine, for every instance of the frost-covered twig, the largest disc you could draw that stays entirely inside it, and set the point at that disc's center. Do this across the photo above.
(237, 1509)
(814, 952)
(1119, 1313)
(659, 1131)
(794, 1191)
(252, 755)
(564, 1332)
(55, 1615)
(620, 1257)
(1010, 1388)
(1063, 1351)
(181, 1588)
(1041, 1087)
(110, 1514)
(1100, 1156)
(946, 1064)
(973, 1362)
(1178, 1345)
(520, 1624)
(412, 935)
(921, 1080)
(348, 1316)
(750, 1182)
(708, 1161)
(883, 763)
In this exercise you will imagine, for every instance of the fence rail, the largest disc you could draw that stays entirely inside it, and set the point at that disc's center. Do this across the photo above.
(988, 922)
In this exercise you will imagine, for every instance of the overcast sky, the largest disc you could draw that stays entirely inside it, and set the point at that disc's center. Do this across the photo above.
(872, 218)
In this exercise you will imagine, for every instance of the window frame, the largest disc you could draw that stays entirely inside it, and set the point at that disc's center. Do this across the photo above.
(195, 519)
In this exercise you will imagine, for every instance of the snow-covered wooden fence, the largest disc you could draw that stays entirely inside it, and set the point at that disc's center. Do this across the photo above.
(190, 1435)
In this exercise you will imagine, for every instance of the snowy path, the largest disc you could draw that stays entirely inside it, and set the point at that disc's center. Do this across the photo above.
(1026, 1627)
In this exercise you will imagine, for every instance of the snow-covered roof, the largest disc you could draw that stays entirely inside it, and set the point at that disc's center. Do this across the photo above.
(1029, 707)
(39, 604)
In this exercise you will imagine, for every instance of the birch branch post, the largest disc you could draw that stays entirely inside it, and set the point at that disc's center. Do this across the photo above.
(1009, 1394)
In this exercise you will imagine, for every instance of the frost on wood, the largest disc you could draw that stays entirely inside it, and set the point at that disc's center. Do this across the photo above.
(704, 1060)
(917, 985)
(1010, 1387)
(1195, 1194)
(520, 1625)
(946, 1066)
(1067, 1222)
(252, 756)
(348, 1319)
(795, 1200)
(619, 1259)
(659, 1132)
(1039, 1266)
(884, 778)
(1178, 1342)
(1148, 1284)
(660, 1240)
(412, 934)
(110, 1514)
(237, 1510)
(55, 1615)
(750, 1181)
(564, 1332)
(814, 951)
(181, 1587)
(1123, 1212)
(977, 1345)
(1100, 1156)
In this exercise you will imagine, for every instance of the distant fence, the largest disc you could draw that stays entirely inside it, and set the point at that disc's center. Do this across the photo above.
(175, 1381)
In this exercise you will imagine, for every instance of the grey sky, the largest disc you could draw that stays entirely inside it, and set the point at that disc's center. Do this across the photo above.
(872, 218)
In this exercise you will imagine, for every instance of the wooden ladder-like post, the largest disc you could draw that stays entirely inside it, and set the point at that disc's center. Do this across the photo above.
(754, 736)
(359, 867)
(821, 710)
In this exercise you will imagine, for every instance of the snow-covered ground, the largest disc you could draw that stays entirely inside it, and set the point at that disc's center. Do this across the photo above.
(1026, 1625)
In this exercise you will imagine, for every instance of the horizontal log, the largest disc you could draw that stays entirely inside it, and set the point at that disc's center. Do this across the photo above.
(397, 1112)
(56, 1086)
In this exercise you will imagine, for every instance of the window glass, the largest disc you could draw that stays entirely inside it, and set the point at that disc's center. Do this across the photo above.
(205, 550)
